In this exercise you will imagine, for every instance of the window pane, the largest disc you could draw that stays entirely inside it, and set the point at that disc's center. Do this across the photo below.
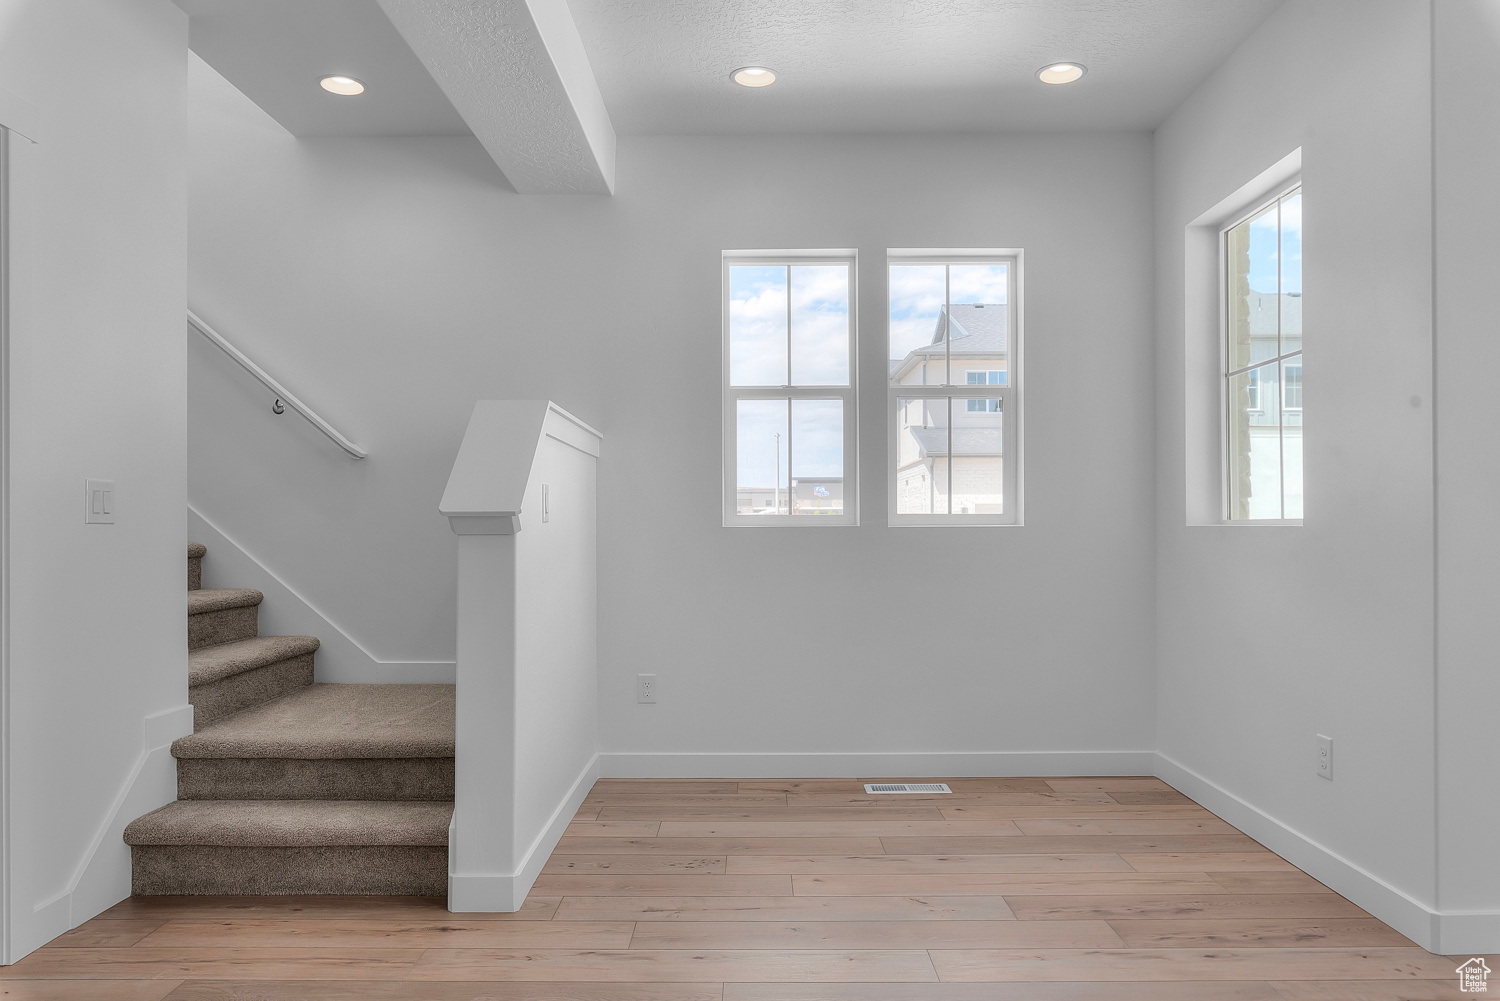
(1255, 444)
(979, 321)
(918, 295)
(757, 325)
(820, 325)
(978, 460)
(818, 457)
(1254, 317)
(1291, 437)
(761, 441)
(922, 456)
(1291, 273)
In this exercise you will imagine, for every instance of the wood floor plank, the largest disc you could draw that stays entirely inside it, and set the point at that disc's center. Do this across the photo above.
(918, 864)
(386, 990)
(454, 933)
(820, 800)
(665, 886)
(1110, 783)
(1262, 861)
(1186, 991)
(1152, 796)
(1064, 811)
(673, 802)
(924, 908)
(1029, 884)
(875, 935)
(613, 828)
(1124, 965)
(86, 990)
(143, 963)
(637, 865)
(1288, 881)
(1263, 933)
(1066, 844)
(722, 846)
(1130, 827)
(731, 811)
(98, 934)
(878, 827)
(536, 908)
(1167, 906)
(667, 788)
(1370, 990)
(665, 966)
(855, 787)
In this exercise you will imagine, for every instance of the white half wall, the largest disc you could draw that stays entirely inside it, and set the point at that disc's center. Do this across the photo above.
(95, 388)
(1269, 636)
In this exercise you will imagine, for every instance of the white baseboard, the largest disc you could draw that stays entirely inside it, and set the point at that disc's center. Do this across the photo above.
(859, 764)
(479, 892)
(341, 658)
(1404, 913)
(102, 877)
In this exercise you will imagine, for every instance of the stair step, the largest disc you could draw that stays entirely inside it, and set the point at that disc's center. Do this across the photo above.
(291, 846)
(219, 615)
(228, 678)
(196, 552)
(335, 721)
(292, 823)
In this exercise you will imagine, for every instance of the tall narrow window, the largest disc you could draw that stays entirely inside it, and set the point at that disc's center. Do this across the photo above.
(789, 358)
(1263, 362)
(954, 388)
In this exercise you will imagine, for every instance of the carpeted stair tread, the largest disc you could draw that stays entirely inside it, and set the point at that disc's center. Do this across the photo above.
(219, 598)
(293, 823)
(334, 721)
(224, 660)
(197, 550)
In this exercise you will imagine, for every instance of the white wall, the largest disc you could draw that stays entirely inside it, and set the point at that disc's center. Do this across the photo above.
(95, 385)
(1467, 132)
(1269, 636)
(393, 282)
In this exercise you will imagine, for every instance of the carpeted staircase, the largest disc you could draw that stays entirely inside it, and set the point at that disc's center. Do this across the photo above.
(287, 786)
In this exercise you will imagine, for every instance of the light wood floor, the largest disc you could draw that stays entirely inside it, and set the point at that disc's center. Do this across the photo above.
(1114, 889)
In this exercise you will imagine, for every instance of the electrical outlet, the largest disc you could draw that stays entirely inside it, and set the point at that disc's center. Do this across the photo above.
(99, 502)
(645, 689)
(1325, 757)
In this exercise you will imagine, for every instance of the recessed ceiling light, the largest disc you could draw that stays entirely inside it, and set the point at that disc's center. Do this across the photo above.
(753, 76)
(1061, 72)
(344, 86)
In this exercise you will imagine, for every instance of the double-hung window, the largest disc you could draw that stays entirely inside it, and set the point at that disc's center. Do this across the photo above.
(788, 373)
(953, 390)
(1262, 380)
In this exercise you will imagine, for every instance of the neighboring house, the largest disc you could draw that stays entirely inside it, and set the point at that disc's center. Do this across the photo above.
(936, 452)
(1271, 402)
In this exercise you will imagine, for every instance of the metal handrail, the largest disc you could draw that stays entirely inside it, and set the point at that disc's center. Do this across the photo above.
(217, 340)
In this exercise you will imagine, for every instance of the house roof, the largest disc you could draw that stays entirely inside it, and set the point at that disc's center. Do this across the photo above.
(966, 441)
(978, 330)
(1263, 312)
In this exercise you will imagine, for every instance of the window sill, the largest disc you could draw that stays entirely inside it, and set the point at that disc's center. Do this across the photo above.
(1252, 523)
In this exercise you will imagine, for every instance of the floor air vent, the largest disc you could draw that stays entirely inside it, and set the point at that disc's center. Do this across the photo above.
(897, 787)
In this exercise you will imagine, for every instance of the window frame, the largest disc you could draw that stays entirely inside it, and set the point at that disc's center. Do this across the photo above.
(731, 395)
(1010, 395)
(1268, 198)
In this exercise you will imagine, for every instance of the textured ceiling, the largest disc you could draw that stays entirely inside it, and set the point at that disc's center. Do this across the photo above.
(275, 51)
(517, 72)
(903, 65)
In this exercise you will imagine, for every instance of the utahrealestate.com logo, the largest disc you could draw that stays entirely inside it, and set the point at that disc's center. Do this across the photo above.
(1472, 975)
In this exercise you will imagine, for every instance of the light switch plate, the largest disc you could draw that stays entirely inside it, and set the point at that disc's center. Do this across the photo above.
(546, 502)
(99, 502)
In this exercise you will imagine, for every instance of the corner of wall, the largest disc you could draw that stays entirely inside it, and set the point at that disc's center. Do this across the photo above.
(506, 892)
